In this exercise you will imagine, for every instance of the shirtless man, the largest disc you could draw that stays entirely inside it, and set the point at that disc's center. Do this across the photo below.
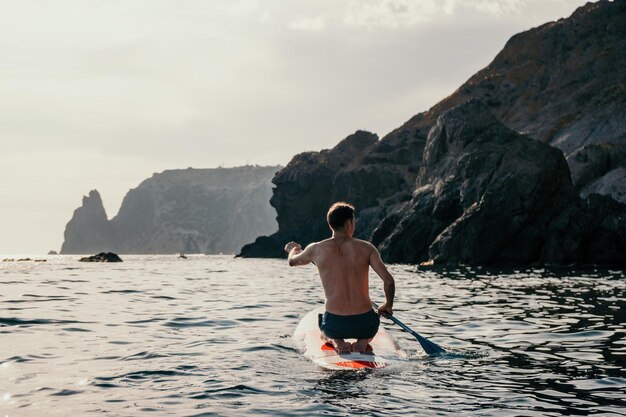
(343, 264)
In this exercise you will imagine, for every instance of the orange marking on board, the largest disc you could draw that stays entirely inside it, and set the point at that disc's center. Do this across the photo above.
(359, 364)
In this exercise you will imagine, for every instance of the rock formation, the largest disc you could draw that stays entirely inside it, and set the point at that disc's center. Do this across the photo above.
(179, 211)
(102, 257)
(360, 169)
(562, 84)
(89, 230)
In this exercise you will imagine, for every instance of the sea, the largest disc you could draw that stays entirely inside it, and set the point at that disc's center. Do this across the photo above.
(212, 336)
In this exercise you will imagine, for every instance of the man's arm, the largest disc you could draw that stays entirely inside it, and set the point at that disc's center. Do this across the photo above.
(297, 256)
(389, 283)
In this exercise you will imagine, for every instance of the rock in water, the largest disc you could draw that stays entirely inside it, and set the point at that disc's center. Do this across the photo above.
(180, 211)
(102, 257)
(52, 252)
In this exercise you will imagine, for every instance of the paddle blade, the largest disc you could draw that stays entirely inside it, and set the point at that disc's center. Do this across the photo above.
(429, 347)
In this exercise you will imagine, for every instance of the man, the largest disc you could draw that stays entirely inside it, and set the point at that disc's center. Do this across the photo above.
(343, 264)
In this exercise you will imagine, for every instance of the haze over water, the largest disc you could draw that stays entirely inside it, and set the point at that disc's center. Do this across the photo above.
(211, 335)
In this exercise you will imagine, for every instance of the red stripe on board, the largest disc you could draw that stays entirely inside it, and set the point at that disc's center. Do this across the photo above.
(327, 346)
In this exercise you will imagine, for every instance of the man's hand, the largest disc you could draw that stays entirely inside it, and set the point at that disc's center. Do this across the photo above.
(297, 256)
(385, 310)
(289, 247)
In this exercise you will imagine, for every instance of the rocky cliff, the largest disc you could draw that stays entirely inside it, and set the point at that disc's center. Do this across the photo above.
(562, 84)
(488, 195)
(190, 211)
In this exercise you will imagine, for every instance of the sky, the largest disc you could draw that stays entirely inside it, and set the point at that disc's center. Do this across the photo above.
(102, 94)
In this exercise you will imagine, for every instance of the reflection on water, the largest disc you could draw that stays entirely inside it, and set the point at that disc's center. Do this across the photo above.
(210, 335)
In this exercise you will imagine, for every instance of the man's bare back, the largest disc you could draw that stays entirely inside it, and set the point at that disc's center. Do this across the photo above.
(343, 264)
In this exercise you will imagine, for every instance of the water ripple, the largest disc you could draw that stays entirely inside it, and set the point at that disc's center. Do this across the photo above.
(14, 321)
(234, 391)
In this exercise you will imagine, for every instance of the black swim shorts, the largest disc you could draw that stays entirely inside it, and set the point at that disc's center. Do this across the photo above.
(357, 326)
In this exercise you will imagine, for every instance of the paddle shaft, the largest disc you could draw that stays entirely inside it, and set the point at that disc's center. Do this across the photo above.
(399, 323)
(430, 347)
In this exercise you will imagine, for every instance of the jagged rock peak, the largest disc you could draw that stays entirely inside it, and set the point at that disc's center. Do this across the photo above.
(93, 203)
(89, 229)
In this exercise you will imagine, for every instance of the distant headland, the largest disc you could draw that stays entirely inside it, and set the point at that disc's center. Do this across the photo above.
(185, 210)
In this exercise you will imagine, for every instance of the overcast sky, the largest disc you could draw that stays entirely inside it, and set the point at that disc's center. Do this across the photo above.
(101, 94)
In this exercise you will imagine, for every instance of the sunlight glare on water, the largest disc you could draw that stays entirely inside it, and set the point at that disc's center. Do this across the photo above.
(211, 335)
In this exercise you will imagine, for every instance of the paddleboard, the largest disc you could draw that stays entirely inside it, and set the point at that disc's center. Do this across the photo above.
(382, 352)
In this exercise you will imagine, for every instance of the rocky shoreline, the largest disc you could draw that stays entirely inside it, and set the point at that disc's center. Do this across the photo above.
(524, 164)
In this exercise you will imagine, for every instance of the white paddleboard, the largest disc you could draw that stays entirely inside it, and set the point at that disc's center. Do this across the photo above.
(383, 351)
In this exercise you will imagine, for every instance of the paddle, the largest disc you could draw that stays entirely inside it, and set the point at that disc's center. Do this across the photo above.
(428, 346)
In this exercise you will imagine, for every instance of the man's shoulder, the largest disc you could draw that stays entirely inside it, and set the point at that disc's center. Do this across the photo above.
(364, 243)
(312, 245)
(320, 244)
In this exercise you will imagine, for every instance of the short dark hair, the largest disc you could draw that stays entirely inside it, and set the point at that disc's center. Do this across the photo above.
(338, 214)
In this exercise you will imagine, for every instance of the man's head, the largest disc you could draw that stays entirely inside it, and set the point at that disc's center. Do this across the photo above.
(340, 215)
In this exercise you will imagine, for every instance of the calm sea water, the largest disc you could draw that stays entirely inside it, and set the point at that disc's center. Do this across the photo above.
(211, 336)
